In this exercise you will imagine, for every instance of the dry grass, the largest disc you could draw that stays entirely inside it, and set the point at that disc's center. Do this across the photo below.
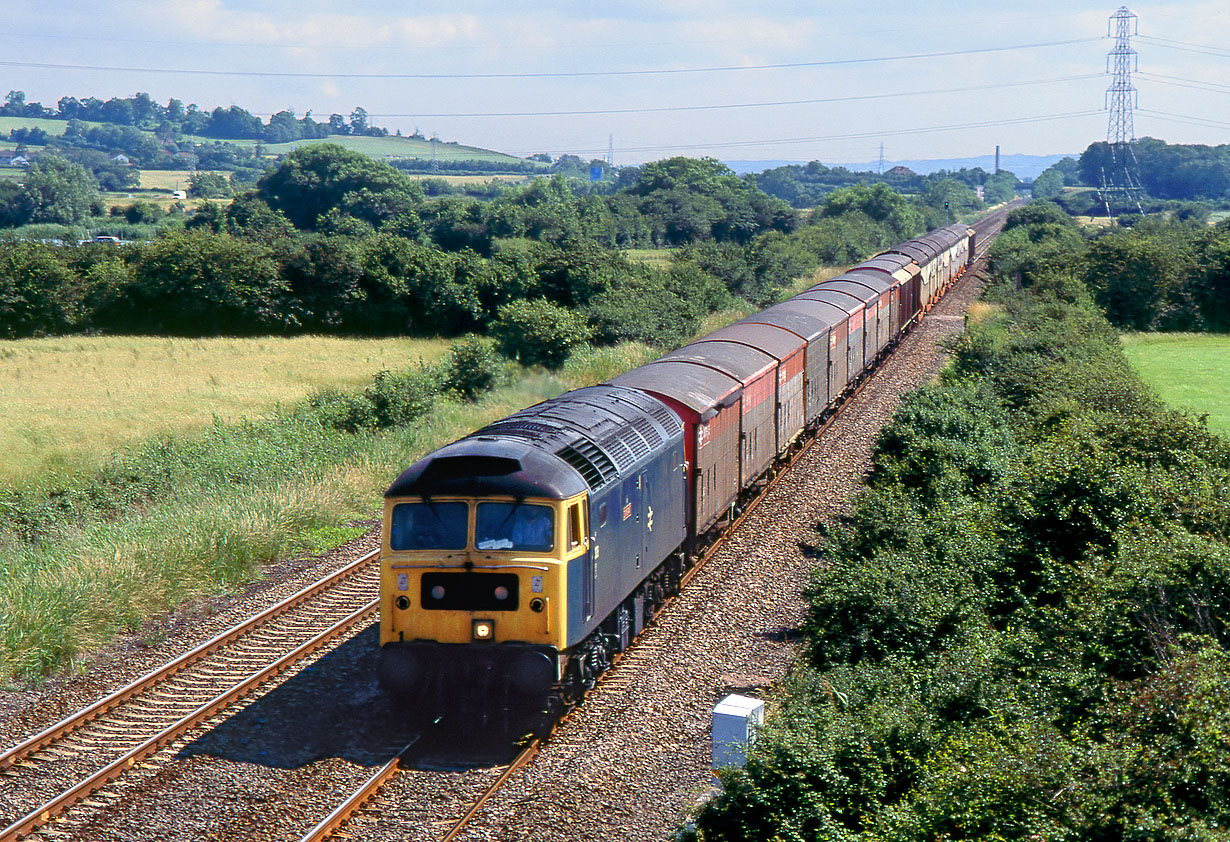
(981, 311)
(70, 401)
(658, 258)
(171, 179)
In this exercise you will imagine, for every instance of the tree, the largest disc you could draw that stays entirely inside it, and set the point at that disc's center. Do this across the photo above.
(56, 190)
(314, 180)
(881, 203)
(39, 294)
(1048, 184)
(195, 283)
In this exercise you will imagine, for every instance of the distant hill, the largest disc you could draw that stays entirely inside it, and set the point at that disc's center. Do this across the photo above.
(1025, 167)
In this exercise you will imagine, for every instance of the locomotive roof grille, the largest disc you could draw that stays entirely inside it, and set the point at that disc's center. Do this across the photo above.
(591, 462)
(648, 431)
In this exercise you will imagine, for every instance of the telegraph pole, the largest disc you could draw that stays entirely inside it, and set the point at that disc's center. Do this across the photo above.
(1121, 98)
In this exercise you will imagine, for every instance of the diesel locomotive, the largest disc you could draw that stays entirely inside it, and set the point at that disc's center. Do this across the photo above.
(519, 560)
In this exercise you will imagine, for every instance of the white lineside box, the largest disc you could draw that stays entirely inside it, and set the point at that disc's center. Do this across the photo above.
(735, 720)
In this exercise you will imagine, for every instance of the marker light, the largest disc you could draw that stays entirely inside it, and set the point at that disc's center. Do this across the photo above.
(437, 592)
(501, 593)
(484, 629)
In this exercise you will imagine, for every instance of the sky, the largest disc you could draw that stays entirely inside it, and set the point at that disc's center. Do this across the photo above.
(760, 80)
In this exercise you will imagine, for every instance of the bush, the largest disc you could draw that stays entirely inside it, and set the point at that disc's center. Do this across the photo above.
(472, 367)
(538, 332)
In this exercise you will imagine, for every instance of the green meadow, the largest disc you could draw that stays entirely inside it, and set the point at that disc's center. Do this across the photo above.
(69, 402)
(1189, 370)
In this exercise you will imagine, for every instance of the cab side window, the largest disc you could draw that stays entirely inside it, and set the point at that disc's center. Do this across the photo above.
(575, 530)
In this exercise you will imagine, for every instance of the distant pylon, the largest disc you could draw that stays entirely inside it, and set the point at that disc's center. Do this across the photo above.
(610, 151)
(1120, 185)
(881, 170)
(435, 162)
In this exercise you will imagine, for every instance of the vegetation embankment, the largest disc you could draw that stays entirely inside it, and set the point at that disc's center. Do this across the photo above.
(1189, 371)
(1020, 631)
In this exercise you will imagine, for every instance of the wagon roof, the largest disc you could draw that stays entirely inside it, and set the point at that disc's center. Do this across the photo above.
(829, 313)
(739, 361)
(859, 291)
(844, 301)
(875, 280)
(699, 388)
(807, 326)
(772, 339)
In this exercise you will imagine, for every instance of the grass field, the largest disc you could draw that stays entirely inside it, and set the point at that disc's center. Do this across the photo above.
(171, 179)
(68, 402)
(400, 147)
(1189, 370)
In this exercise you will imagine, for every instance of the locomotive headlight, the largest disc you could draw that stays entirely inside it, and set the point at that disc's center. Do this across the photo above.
(484, 629)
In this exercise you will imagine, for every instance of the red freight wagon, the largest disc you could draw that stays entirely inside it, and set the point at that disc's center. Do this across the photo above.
(757, 372)
(790, 351)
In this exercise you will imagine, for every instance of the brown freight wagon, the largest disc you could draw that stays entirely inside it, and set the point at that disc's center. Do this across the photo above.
(815, 334)
(838, 340)
(756, 371)
(855, 313)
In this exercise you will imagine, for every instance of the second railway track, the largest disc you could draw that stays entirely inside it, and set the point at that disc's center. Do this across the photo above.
(49, 772)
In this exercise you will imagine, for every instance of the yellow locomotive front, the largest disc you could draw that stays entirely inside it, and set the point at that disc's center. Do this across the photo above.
(476, 548)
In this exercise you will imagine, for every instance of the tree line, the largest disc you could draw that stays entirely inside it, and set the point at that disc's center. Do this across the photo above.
(807, 185)
(175, 119)
(333, 241)
(1162, 273)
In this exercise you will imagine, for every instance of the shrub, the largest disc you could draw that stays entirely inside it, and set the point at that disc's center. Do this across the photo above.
(538, 332)
(472, 367)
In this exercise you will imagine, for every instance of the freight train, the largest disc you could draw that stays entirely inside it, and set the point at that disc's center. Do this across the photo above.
(519, 560)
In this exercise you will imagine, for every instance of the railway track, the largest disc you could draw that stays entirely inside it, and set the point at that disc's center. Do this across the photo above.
(986, 229)
(52, 771)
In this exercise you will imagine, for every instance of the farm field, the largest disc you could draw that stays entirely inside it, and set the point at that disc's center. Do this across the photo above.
(1189, 370)
(172, 179)
(398, 147)
(69, 402)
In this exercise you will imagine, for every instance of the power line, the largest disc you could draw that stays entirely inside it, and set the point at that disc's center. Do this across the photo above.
(1185, 46)
(1186, 118)
(852, 136)
(728, 106)
(544, 75)
(1196, 84)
